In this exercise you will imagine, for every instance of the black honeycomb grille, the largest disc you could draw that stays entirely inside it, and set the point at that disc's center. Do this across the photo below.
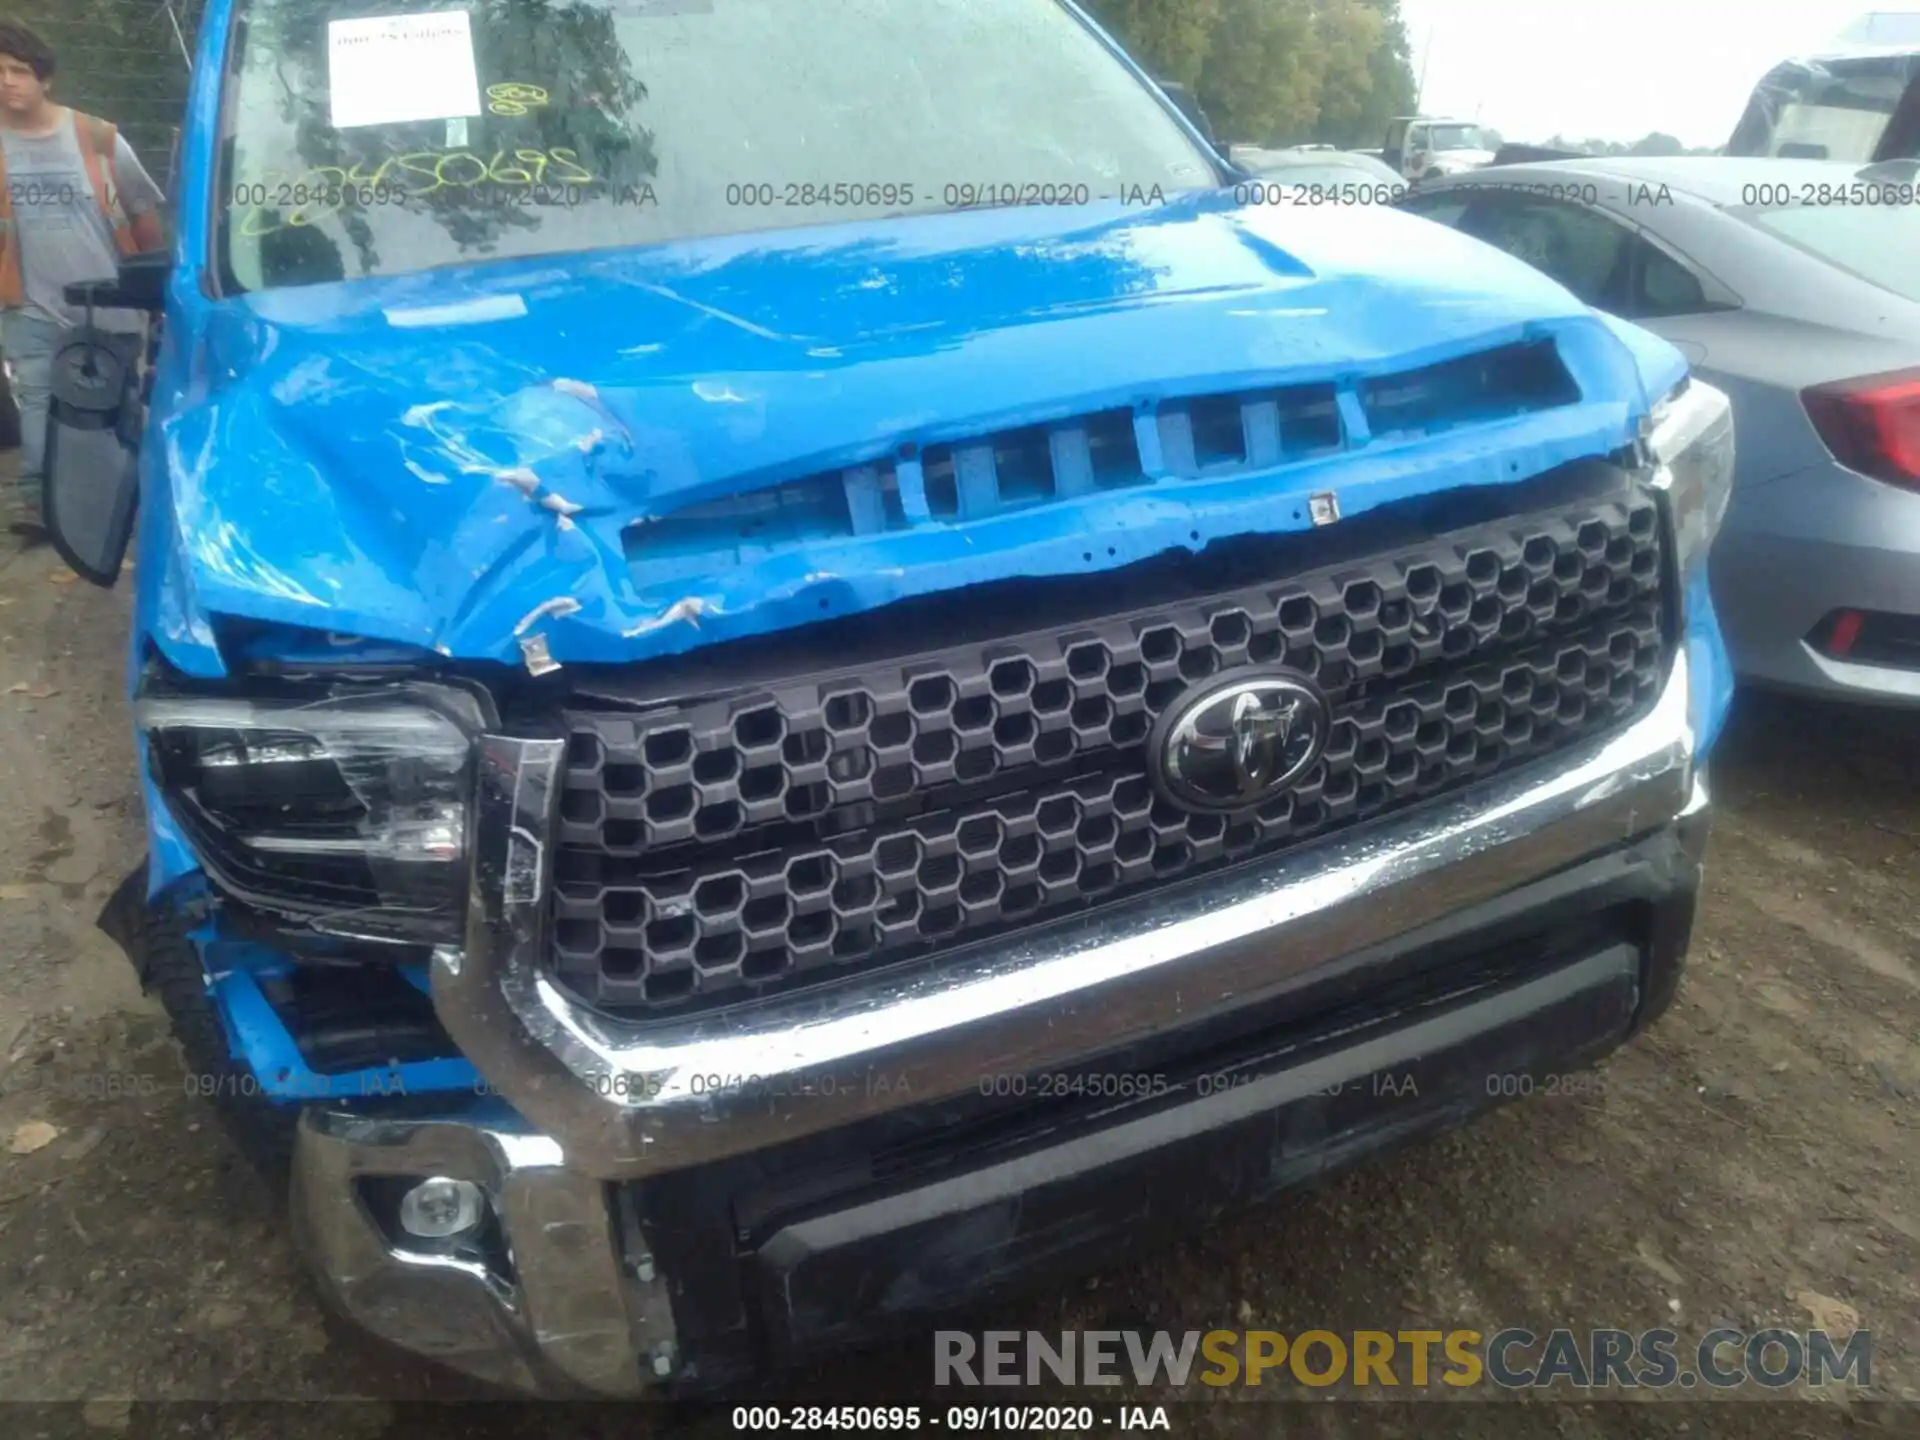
(712, 849)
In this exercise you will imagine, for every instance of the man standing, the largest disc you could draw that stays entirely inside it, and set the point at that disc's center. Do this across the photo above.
(73, 199)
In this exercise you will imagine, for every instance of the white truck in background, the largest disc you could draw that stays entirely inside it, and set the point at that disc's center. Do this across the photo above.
(1423, 147)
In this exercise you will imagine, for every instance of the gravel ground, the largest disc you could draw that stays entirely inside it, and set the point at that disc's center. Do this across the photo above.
(1752, 1161)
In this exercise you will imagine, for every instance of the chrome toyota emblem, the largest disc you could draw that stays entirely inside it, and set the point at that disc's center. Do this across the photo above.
(1238, 740)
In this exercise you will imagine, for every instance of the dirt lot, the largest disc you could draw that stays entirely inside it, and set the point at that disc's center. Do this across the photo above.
(1754, 1161)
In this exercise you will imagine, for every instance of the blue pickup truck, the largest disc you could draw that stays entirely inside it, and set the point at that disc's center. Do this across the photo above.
(792, 667)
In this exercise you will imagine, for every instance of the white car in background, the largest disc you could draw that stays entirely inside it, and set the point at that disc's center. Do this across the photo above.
(1807, 316)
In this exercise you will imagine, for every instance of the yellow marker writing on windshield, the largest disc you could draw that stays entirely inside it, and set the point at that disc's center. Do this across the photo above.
(275, 202)
(515, 99)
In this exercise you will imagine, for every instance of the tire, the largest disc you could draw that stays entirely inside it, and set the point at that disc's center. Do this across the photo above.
(169, 969)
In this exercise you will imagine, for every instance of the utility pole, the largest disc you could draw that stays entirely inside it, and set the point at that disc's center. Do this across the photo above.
(1420, 89)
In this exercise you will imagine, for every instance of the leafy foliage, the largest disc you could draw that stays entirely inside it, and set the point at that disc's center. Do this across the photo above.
(120, 59)
(1268, 72)
(1277, 72)
(1655, 143)
(1172, 38)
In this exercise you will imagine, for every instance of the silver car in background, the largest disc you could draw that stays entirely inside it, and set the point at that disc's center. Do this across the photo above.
(1319, 166)
(1795, 287)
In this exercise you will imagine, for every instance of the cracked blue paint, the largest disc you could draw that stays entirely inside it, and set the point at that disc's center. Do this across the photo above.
(429, 486)
(259, 1038)
(413, 468)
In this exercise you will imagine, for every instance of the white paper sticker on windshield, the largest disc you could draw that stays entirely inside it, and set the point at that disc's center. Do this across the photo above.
(395, 69)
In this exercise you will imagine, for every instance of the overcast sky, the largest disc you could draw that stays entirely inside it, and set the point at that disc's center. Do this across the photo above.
(1612, 69)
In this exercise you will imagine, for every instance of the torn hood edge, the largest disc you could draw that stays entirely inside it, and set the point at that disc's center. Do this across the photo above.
(562, 588)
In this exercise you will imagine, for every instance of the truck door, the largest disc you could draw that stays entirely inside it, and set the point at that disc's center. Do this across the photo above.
(1416, 151)
(1393, 150)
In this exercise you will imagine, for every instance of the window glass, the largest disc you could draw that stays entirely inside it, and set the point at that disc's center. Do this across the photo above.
(1828, 132)
(1879, 243)
(1455, 137)
(1666, 286)
(593, 123)
(1583, 250)
(1825, 109)
(1442, 209)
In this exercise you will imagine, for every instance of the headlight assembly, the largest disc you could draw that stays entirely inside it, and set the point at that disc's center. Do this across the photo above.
(1692, 446)
(345, 812)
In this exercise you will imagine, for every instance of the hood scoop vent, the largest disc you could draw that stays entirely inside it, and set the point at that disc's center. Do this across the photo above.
(1195, 437)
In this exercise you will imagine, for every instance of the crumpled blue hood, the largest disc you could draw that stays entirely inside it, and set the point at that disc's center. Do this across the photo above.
(450, 460)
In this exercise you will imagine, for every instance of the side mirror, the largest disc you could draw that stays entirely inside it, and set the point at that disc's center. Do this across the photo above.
(1184, 101)
(90, 486)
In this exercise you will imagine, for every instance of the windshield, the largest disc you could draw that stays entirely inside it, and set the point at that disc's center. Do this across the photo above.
(1454, 137)
(1875, 242)
(378, 137)
(1824, 110)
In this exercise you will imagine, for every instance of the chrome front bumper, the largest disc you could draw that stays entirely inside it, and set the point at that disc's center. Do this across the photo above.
(631, 1100)
(548, 1306)
(559, 1308)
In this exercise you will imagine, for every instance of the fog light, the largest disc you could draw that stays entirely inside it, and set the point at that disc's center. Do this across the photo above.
(440, 1209)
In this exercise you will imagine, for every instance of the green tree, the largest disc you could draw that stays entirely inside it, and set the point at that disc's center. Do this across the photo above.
(122, 60)
(1276, 71)
(1170, 38)
(1348, 35)
(1261, 82)
(1388, 88)
(1657, 143)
